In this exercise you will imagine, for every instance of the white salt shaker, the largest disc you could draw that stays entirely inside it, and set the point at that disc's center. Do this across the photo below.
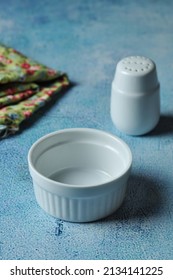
(135, 97)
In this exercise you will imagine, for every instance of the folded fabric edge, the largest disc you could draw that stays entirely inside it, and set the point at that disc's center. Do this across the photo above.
(3, 130)
(6, 129)
(17, 67)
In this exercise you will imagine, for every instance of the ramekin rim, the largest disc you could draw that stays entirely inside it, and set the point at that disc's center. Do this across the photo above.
(66, 130)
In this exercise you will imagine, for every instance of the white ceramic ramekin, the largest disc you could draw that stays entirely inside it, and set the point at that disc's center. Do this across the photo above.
(79, 174)
(135, 97)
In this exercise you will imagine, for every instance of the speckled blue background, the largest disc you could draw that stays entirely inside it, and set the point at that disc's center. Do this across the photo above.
(86, 39)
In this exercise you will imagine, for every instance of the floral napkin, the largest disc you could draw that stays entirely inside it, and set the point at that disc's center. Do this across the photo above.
(25, 86)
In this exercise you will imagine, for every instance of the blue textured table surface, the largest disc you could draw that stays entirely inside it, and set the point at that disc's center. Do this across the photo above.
(86, 39)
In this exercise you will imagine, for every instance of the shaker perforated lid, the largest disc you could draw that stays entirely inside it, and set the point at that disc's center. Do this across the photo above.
(136, 74)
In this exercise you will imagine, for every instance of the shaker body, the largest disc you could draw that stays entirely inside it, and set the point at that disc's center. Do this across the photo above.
(135, 114)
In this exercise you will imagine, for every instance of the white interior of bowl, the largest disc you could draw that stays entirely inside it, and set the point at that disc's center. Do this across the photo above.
(80, 157)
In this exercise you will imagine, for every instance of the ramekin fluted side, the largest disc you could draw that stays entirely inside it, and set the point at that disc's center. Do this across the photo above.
(79, 209)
